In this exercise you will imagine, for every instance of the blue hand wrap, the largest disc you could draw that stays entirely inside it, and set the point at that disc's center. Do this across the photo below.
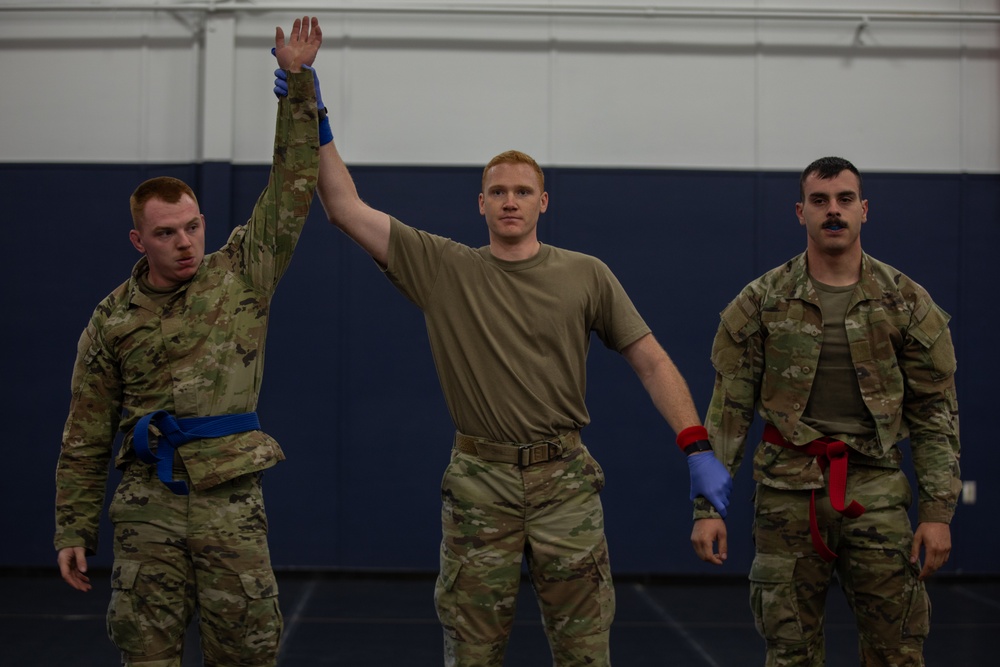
(175, 432)
(325, 133)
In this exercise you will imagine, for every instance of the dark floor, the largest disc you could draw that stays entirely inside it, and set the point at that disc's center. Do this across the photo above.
(361, 621)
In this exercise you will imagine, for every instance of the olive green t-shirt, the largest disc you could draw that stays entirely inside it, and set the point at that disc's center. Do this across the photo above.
(510, 339)
(836, 407)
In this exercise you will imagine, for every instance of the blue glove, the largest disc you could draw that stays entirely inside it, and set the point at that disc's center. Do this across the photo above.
(280, 83)
(319, 97)
(281, 90)
(709, 478)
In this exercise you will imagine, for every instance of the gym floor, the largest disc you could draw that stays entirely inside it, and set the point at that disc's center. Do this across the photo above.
(362, 620)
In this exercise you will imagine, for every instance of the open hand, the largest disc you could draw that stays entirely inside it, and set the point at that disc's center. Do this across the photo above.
(302, 44)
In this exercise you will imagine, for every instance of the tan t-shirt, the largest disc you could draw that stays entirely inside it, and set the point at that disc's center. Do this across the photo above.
(510, 339)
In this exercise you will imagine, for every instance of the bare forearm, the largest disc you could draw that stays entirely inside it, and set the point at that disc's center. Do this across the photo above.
(345, 209)
(664, 383)
(672, 397)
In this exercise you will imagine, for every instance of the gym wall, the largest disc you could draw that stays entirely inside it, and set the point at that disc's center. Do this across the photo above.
(671, 145)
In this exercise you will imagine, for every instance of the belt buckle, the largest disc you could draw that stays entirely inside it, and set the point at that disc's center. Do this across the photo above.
(526, 453)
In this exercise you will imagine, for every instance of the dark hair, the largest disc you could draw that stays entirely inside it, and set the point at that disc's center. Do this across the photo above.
(827, 167)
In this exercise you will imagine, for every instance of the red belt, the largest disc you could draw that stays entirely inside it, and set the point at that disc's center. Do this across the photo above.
(833, 454)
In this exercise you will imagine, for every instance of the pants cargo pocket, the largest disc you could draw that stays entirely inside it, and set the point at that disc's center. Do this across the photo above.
(123, 620)
(445, 595)
(576, 593)
(772, 598)
(263, 624)
(889, 600)
(606, 590)
(917, 622)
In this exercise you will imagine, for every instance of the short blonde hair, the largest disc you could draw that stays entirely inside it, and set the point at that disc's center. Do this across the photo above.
(514, 157)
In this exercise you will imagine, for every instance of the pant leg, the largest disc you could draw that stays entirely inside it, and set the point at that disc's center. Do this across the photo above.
(482, 547)
(241, 623)
(568, 558)
(788, 580)
(172, 552)
(152, 579)
(890, 604)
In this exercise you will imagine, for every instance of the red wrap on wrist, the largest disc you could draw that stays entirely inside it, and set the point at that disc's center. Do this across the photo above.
(690, 435)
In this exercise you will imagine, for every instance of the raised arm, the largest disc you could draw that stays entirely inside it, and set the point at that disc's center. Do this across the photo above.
(368, 227)
(267, 241)
(337, 193)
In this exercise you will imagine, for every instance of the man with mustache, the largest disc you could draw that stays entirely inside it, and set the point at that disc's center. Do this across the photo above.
(173, 359)
(843, 357)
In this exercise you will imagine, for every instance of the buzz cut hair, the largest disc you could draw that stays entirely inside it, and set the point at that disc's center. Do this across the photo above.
(164, 188)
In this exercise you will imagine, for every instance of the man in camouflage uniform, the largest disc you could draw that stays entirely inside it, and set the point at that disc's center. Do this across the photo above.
(509, 326)
(184, 338)
(843, 357)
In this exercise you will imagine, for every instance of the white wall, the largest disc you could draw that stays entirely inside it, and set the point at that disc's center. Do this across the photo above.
(424, 87)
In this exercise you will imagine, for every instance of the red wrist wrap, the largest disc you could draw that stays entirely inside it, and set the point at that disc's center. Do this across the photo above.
(691, 434)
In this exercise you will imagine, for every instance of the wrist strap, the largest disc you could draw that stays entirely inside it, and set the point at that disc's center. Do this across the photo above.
(691, 435)
(698, 446)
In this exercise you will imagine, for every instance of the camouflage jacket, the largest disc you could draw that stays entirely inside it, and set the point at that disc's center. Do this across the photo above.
(201, 354)
(765, 356)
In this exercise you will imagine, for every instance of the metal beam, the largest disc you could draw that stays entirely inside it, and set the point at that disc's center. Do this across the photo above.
(649, 11)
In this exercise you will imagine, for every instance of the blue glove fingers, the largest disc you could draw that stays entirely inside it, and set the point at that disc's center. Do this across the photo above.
(709, 478)
(280, 83)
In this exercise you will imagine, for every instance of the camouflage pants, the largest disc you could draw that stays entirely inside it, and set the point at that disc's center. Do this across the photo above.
(494, 515)
(173, 554)
(789, 581)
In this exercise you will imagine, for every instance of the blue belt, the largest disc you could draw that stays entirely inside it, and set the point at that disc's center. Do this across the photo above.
(175, 432)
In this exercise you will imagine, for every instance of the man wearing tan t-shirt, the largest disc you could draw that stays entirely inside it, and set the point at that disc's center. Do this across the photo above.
(509, 326)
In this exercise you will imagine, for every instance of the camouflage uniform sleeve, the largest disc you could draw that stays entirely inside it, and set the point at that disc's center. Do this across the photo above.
(737, 355)
(930, 411)
(88, 440)
(269, 237)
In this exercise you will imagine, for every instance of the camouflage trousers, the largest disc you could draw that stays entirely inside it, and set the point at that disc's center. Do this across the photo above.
(175, 554)
(789, 581)
(494, 515)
